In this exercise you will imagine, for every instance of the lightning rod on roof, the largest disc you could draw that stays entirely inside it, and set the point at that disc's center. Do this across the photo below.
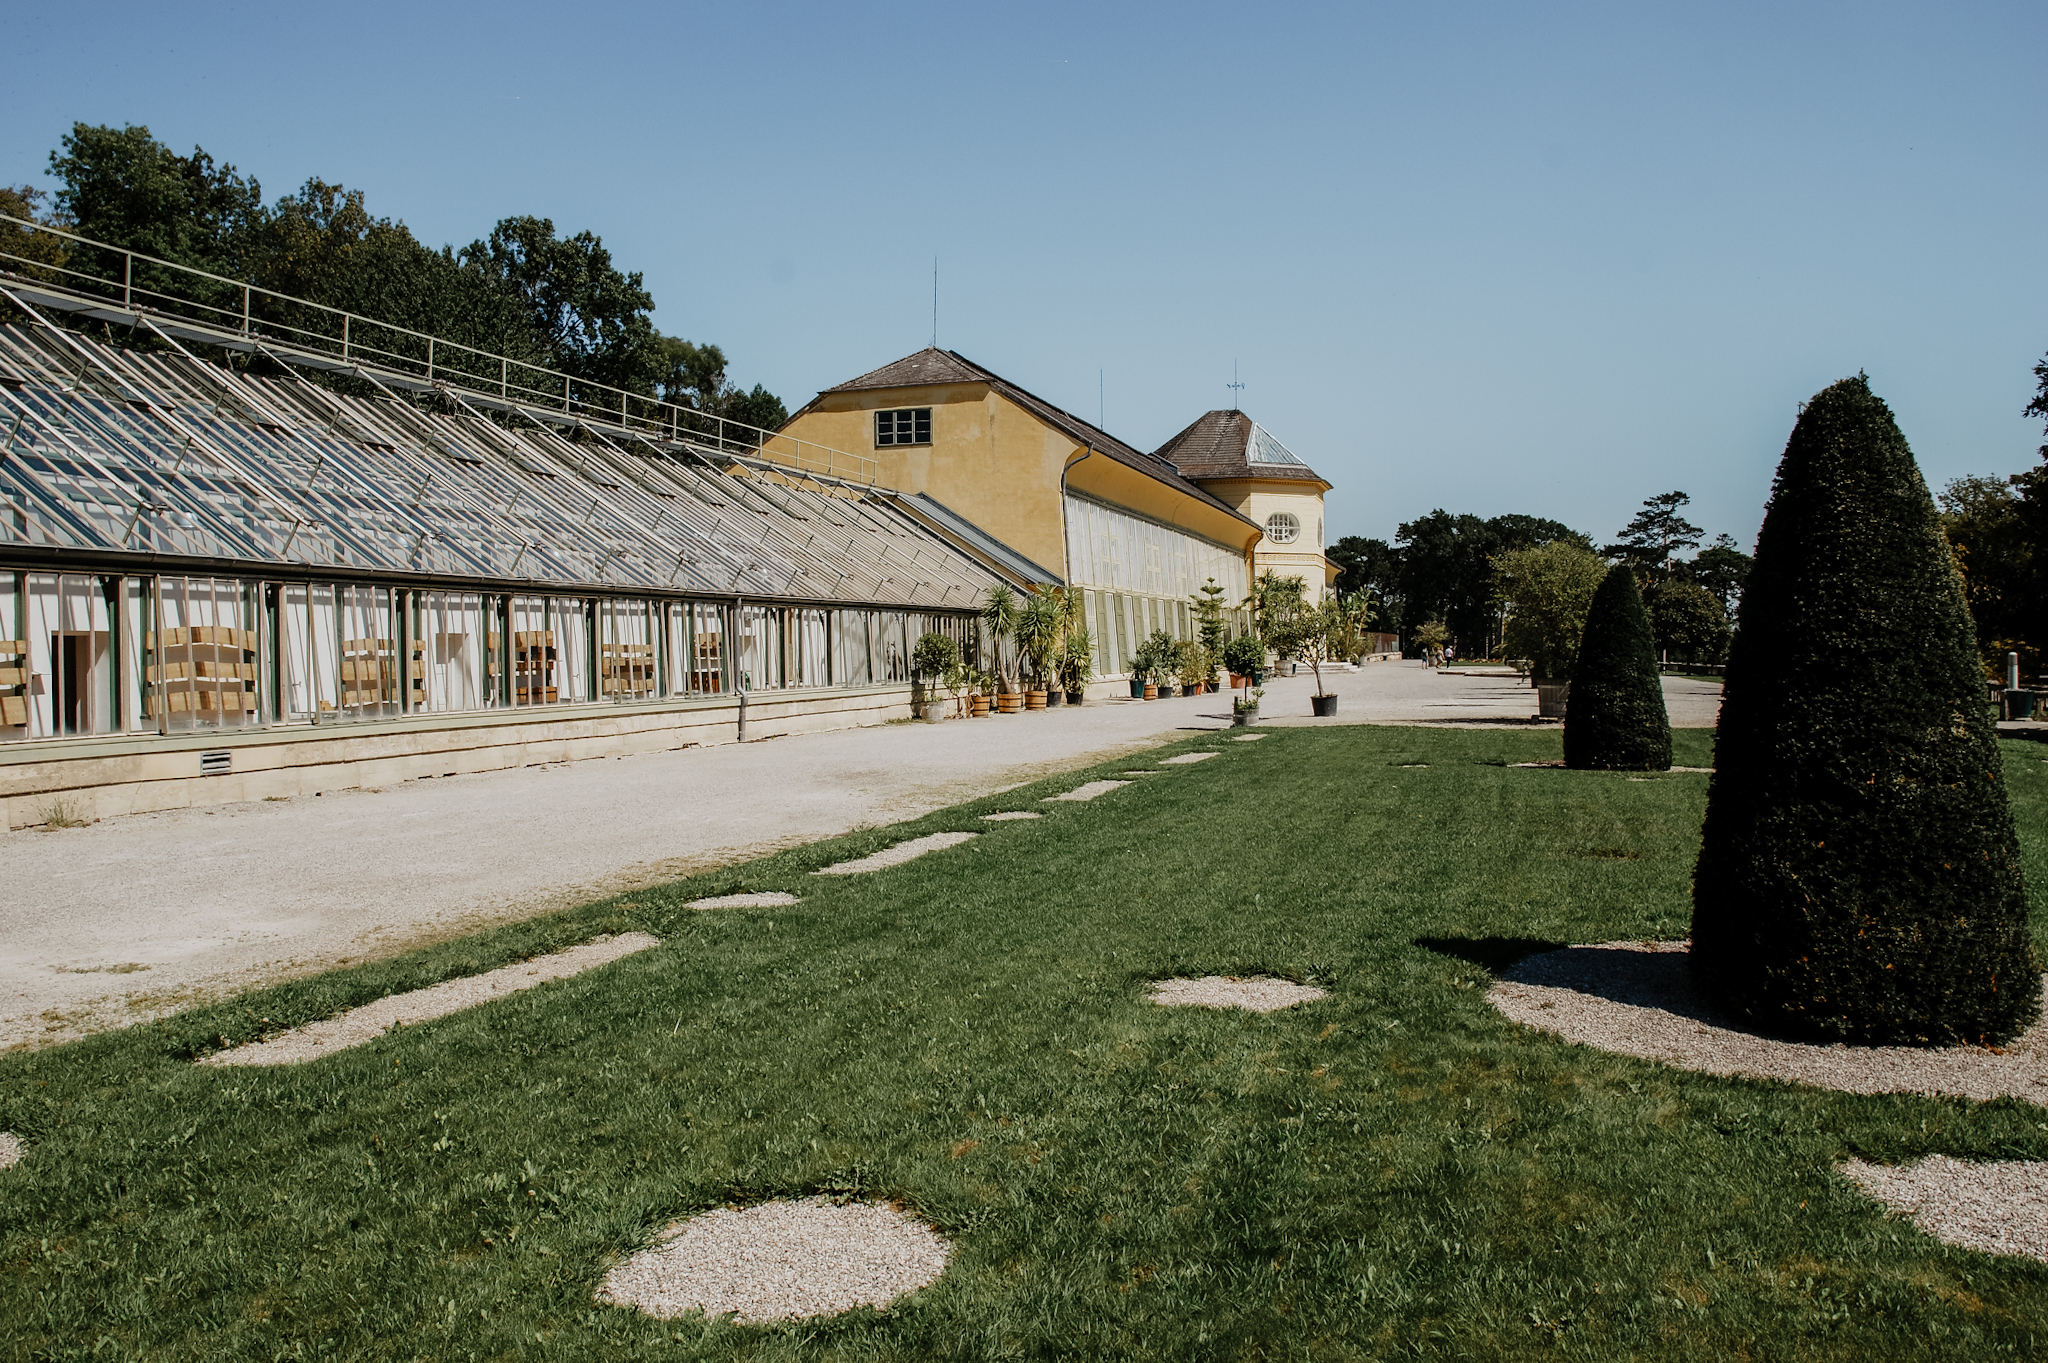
(1236, 388)
(935, 302)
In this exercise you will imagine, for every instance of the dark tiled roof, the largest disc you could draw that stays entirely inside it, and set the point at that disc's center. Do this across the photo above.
(926, 366)
(930, 366)
(1219, 445)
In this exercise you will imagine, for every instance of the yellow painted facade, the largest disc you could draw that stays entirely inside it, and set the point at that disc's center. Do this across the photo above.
(1257, 499)
(996, 463)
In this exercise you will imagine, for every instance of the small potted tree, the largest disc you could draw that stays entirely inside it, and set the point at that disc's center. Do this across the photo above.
(1077, 664)
(981, 694)
(1308, 634)
(935, 659)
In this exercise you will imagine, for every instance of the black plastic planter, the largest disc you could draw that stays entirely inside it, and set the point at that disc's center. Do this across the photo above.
(1324, 706)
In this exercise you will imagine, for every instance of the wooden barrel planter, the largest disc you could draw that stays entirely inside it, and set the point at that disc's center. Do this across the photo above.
(1034, 700)
(978, 705)
(1151, 691)
(1009, 703)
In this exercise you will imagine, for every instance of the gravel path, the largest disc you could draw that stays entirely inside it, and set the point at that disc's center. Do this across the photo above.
(1998, 1208)
(1636, 998)
(10, 1149)
(1256, 994)
(780, 1261)
(372, 1020)
(1088, 791)
(895, 856)
(762, 899)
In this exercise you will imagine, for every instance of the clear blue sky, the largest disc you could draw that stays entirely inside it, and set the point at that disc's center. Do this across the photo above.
(1486, 257)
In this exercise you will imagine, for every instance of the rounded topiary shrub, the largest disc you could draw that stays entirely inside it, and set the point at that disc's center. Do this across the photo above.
(1616, 720)
(1858, 876)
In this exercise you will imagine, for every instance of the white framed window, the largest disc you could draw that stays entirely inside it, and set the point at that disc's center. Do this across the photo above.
(904, 426)
(1283, 527)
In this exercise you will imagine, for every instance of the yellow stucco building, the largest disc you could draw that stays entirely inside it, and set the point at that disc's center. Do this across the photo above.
(1238, 462)
(1133, 533)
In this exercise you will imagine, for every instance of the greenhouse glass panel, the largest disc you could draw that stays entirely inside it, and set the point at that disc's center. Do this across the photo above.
(369, 652)
(454, 644)
(570, 618)
(625, 650)
(758, 649)
(850, 648)
(200, 662)
(808, 652)
(309, 639)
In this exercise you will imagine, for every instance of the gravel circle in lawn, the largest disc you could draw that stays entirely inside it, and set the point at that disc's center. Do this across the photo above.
(780, 1261)
(1088, 791)
(1255, 993)
(372, 1020)
(1006, 815)
(1637, 998)
(895, 856)
(1998, 1207)
(1185, 757)
(758, 899)
(10, 1149)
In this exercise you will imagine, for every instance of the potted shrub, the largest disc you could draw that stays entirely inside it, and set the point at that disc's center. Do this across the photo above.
(1158, 653)
(1077, 664)
(1192, 661)
(1244, 656)
(981, 695)
(934, 659)
(1547, 592)
(1245, 709)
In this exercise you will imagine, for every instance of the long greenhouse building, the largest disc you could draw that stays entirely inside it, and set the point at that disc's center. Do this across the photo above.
(235, 553)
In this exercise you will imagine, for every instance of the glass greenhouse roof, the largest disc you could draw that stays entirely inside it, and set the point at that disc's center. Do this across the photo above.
(159, 452)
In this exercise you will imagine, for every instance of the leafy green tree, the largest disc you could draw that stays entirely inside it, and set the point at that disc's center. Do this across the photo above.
(1546, 592)
(123, 187)
(1616, 720)
(590, 319)
(1447, 574)
(1366, 565)
(1721, 568)
(1859, 874)
(1273, 600)
(757, 407)
(1650, 542)
(1687, 621)
(1987, 530)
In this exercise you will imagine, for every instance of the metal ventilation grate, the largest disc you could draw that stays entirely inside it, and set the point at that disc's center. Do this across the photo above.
(216, 763)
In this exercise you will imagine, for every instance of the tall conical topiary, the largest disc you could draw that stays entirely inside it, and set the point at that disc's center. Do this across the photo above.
(1616, 719)
(1858, 875)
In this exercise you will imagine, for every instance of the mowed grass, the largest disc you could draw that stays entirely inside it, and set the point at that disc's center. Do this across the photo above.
(1393, 1172)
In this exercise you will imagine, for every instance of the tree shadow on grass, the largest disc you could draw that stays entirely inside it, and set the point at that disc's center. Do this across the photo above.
(1490, 953)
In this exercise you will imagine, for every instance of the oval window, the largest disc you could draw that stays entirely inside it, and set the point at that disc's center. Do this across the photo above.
(1283, 528)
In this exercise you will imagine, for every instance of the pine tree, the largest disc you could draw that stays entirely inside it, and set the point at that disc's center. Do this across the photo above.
(1859, 878)
(1616, 719)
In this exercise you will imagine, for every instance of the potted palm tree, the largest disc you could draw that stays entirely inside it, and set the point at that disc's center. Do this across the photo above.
(1160, 660)
(1038, 639)
(1077, 664)
(999, 618)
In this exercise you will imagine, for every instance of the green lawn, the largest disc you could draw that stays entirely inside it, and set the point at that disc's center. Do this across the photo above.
(1395, 1171)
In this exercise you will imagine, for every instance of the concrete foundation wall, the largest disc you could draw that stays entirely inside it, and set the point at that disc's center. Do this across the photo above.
(135, 773)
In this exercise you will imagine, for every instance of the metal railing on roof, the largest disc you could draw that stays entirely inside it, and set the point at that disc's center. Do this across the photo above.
(216, 310)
